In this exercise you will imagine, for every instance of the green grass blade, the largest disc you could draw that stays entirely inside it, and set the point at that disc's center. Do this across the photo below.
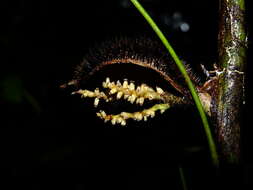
(182, 69)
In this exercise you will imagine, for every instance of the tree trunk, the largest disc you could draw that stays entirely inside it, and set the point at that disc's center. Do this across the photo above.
(228, 104)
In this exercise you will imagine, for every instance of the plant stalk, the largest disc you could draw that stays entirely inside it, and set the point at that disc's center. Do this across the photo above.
(182, 69)
(227, 107)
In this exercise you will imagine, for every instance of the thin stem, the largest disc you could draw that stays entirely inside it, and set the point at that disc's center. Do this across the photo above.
(182, 177)
(182, 69)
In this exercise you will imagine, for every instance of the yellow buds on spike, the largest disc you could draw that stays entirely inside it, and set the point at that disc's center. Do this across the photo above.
(133, 94)
(96, 94)
(138, 116)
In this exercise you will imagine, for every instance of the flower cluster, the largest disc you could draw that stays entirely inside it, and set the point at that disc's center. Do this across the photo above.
(96, 94)
(133, 94)
(138, 116)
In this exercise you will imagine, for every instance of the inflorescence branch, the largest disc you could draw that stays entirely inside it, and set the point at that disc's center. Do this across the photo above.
(133, 94)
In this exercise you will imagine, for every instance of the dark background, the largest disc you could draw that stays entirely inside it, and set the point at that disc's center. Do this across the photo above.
(46, 133)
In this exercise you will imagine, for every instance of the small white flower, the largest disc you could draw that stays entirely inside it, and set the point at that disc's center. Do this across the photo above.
(123, 122)
(107, 80)
(118, 83)
(125, 84)
(119, 95)
(141, 100)
(96, 101)
(113, 90)
(162, 111)
(132, 98)
(131, 86)
(126, 96)
(113, 121)
(103, 114)
(105, 85)
(159, 90)
(138, 116)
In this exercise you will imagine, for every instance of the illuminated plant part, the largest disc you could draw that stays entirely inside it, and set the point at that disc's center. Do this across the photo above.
(138, 116)
(141, 53)
(131, 94)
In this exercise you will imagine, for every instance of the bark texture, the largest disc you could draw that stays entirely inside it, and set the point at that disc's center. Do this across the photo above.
(227, 107)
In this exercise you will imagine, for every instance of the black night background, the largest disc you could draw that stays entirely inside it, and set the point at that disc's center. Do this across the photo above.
(47, 133)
